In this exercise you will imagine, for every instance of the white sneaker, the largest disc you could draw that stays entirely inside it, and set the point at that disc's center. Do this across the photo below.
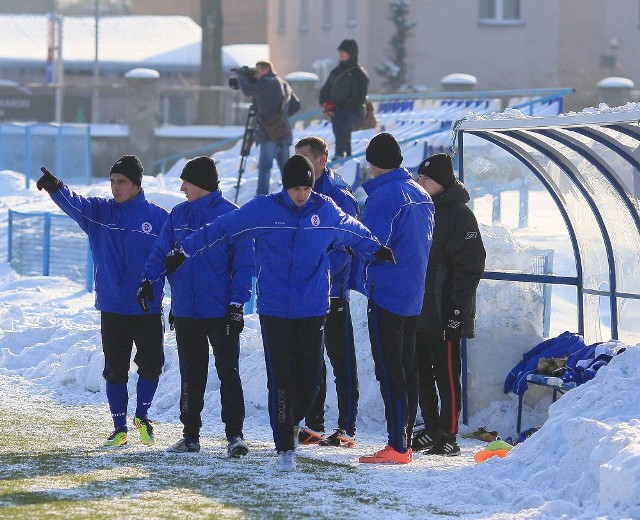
(286, 461)
(296, 436)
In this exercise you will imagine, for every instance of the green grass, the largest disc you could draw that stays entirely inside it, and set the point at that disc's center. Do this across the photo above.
(53, 466)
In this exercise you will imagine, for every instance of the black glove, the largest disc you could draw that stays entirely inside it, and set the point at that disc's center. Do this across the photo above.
(145, 292)
(336, 305)
(48, 182)
(234, 319)
(453, 325)
(385, 254)
(174, 260)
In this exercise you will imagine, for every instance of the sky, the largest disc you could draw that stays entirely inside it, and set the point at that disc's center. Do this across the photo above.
(584, 462)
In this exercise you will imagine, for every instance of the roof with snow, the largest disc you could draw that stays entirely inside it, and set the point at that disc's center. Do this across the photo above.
(165, 43)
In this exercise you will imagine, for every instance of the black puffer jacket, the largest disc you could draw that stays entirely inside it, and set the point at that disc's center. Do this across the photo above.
(346, 85)
(456, 263)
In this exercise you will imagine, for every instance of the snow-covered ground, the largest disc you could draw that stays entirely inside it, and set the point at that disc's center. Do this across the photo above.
(583, 463)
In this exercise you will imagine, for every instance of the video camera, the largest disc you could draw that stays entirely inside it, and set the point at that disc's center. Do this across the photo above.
(248, 72)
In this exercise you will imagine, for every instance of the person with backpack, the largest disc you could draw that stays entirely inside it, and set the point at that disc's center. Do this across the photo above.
(275, 101)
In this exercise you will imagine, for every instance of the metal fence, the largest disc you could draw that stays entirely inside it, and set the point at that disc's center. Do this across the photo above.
(64, 149)
(49, 244)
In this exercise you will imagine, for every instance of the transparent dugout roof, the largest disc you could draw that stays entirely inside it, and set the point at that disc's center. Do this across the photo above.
(568, 186)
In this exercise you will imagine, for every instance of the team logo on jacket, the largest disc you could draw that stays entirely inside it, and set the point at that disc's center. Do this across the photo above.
(146, 227)
(315, 220)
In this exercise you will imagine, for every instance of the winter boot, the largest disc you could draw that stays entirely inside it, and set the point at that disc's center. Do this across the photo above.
(237, 448)
(185, 445)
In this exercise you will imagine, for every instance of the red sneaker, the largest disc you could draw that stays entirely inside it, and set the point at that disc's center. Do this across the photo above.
(388, 455)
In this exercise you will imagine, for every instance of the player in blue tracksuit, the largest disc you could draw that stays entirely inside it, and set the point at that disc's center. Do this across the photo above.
(293, 231)
(401, 214)
(121, 233)
(338, 330)
(207, 296)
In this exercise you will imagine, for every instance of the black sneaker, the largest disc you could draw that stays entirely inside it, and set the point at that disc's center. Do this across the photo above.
(185, 445)
(423, 440)
(447, 446)
(237, 447)
(339, 438)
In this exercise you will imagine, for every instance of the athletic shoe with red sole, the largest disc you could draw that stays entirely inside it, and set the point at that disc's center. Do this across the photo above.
(340, 439)
(309, 436)
(388, 455)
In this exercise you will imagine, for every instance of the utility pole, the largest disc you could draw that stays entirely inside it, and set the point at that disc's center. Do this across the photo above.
(95, 94)
(210, 101)
(59, 71)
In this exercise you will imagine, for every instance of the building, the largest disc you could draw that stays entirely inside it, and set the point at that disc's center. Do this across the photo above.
(505, 44)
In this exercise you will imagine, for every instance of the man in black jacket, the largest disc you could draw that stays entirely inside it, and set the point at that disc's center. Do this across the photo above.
(456, 264)
(272, 96)
(343, 95)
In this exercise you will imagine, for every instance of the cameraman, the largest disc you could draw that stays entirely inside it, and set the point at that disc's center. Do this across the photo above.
(269, 91)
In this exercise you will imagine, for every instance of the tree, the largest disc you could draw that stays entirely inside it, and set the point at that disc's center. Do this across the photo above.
(209, 105)
(394, 69)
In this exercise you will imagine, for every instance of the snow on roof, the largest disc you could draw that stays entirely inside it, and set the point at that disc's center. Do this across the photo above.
(124, 41)
(511, 118)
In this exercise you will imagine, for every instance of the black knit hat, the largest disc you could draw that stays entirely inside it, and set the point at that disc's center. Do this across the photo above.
(297, 171)
(201, 172)
(129, 166)
(438, 167)
(349, 46)
(384, 152)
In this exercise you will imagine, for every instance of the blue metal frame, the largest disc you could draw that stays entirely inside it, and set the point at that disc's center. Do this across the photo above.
(572, 173)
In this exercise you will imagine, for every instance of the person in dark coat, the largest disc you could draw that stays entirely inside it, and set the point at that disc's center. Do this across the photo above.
(271, 95)
(343, 95)
(456, 264)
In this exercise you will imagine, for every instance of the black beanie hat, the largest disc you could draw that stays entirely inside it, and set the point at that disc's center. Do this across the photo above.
(201, 172)
(297, 171)
(384, 152)
(438, 167)
(349, 46)
(129, 166)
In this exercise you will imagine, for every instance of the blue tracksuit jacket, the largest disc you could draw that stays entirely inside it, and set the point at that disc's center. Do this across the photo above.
(335, 187)
(206, 283)
(291, 244)
(401, 214)
(121, 235)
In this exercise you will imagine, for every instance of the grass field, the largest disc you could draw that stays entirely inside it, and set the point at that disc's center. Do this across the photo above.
(53, 467)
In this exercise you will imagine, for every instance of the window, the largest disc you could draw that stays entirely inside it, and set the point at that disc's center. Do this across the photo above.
(282, 16)
(327, 15)
(304, 15)
(352, 13)
(500, 11)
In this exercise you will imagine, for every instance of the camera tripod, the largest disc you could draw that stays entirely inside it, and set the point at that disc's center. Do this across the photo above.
(247, 141)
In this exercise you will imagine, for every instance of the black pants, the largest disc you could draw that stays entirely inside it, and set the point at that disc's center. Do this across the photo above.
(119, 333)
(439, 373)
(340, 345)
(293, 356)
(343, 122)
(393, 341)
(193, 336)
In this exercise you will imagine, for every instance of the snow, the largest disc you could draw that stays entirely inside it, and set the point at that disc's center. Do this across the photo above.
(583, 463)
